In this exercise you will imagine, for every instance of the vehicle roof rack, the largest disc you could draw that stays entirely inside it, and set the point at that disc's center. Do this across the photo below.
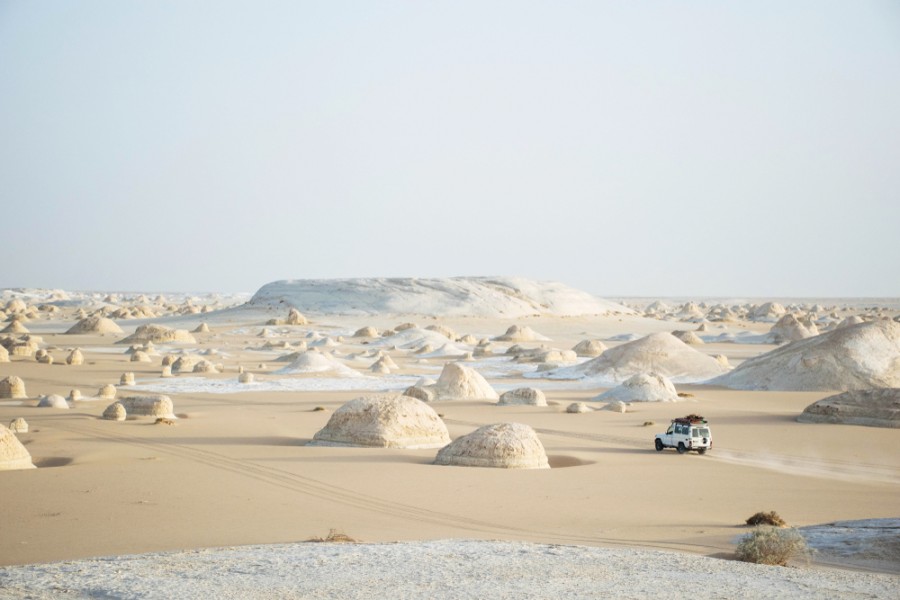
(691, 419)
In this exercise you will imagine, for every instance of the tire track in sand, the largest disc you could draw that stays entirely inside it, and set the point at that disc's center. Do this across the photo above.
(332, 493)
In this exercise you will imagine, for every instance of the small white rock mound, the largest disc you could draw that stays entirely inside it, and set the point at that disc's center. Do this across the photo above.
(115, 412)
(589, 348)
(643, 387)
(688, 337)
(4, 354)
(140, 356)
(660, 353)
(74, 395)
(525, 395)
(107, 392)
(201, 328)
(517, 333)
(95, 324)
(245, 378)
(12, 386)
(313, 361)
(13, 455)
(205, 366)
(770, 311)
(384, 421)
(617, 406)
(295, 318)
(52, 401)
(126, 379)
(15, 327)
(366, 332)
(857, 357)
(790, 329)
(149, 406)
(75, 357)
(184, 364)
(501, 445)
(873, 408)
(158, 334)
(578, 407)
(459, 382)
(18, 425)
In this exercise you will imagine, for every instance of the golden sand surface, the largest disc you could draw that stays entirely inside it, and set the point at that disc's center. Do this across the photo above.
(234, 468)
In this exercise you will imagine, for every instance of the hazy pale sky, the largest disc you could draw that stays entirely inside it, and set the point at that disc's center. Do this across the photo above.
(625, 148)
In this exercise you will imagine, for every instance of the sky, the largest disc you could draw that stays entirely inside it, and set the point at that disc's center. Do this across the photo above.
(641, 148)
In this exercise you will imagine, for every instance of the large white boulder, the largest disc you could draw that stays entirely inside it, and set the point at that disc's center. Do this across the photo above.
(384, 421)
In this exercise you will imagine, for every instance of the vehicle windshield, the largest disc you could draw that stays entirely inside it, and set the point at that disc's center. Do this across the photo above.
(701, 432)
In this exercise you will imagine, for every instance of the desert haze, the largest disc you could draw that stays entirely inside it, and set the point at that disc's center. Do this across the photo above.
(460, 430)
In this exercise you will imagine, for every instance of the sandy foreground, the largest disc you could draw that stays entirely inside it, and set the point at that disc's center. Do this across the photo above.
(234, 471)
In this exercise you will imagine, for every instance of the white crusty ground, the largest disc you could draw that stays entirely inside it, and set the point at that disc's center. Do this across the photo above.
(436, 569)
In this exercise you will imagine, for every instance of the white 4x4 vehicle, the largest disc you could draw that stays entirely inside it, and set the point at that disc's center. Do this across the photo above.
(687, 433)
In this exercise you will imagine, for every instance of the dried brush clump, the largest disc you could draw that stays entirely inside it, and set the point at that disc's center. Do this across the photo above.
(767, 518)
(334, 536)
(772, 546)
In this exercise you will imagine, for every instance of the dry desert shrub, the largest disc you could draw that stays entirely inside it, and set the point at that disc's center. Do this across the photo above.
(334, 536)
(685, 395)
(649, 423)
(767, 518)
(772, 546)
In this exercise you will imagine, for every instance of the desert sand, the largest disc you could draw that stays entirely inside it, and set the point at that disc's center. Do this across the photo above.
(234, 468)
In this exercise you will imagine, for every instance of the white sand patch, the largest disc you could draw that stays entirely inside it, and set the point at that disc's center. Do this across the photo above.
(446, 569)
(203, 385)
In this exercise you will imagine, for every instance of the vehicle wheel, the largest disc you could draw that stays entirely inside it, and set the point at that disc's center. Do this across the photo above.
(701, 451)
(659, 446)
(681, 448)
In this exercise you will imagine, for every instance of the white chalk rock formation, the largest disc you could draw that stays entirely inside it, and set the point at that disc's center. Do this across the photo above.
(768, 312)
(140, 356)
(74, 395)
(660, 353)
(313, 361)
(517, 333)
(578, 407)
(205, 366)
(501, 445)
(525, 395)
(617, 406)
(115, 412)
(4, 354)
(384, 421)
(857, 357)
(18, 425)
(12, 386)
(505, 297)
(75, 357)
(643, 387)
(688, 337)
(158, 334)
(589, 348)
(295, 318)
(15, 327)
(459, 382)
(52, 401)
(107, 392)
(873, 408)
(126, 379)
(149, 406)
(245, 378)
(366, 332)
(184, 364)
(95, 324)
(13, 455)
(790, 329)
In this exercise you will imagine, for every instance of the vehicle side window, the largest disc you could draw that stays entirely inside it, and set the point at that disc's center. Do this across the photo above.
(669, 430)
